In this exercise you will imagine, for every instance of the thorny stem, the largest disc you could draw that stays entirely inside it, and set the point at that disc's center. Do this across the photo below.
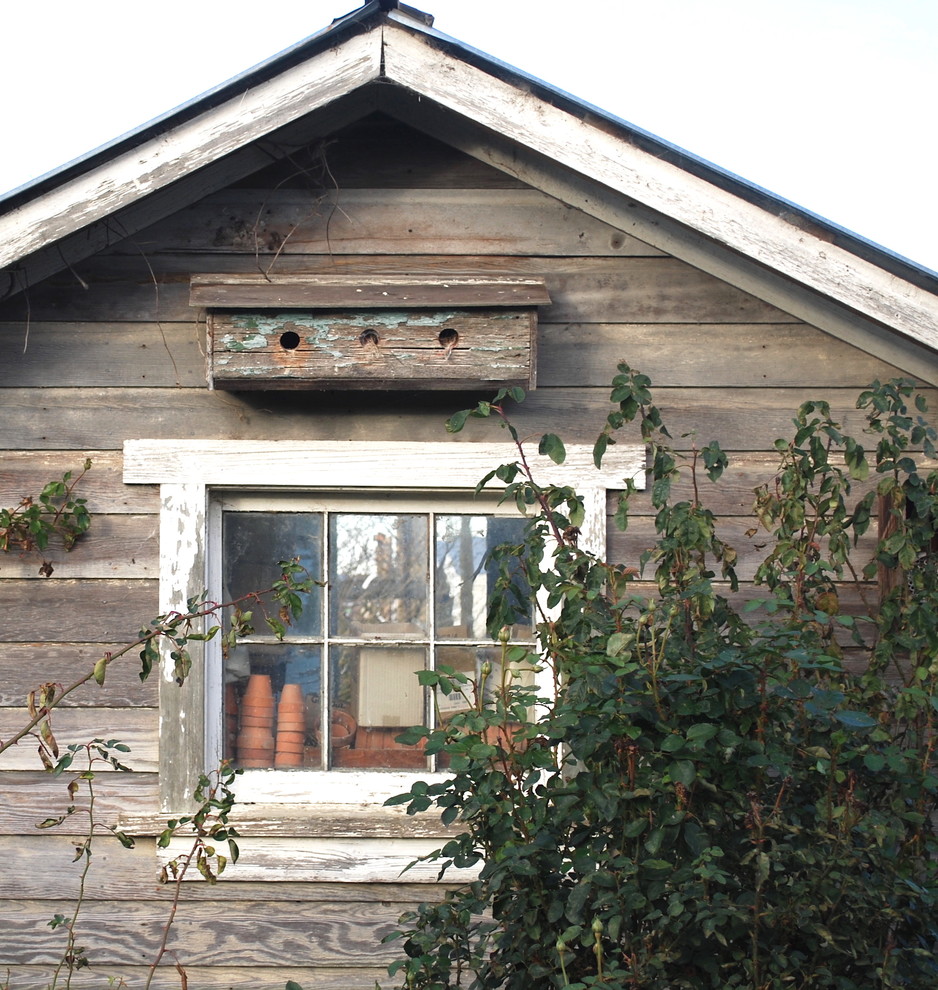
(84, 850)
(529, 474)
(167, 627)
(185, 862)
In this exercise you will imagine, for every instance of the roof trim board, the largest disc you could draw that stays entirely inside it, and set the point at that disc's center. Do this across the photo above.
(699, 205)
(193, 144)
(794, 251)
(663, 233)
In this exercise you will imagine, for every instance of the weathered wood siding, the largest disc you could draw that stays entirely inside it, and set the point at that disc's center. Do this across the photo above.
(112, 350)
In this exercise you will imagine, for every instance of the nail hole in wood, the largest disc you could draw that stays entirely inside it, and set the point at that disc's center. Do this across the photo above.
(289, 340)
(368, 338)
(448, 338)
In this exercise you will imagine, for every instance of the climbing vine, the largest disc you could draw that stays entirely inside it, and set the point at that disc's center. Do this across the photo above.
(721, 791)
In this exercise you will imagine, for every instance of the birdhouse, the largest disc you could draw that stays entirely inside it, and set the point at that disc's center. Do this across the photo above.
(313, 332)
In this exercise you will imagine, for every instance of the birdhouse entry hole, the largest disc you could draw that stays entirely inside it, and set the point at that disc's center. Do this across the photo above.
(368, 338)
(448, 338)
(289, 340)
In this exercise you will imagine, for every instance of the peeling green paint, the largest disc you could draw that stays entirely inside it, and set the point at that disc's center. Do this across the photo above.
(252, 342)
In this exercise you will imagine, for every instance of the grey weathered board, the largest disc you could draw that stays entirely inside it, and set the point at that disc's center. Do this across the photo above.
(386, 349)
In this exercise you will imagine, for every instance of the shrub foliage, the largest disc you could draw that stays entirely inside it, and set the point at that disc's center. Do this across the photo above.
(716, 793)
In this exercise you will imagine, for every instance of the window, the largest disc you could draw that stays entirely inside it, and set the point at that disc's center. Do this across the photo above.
(396, 532)
(406, 582)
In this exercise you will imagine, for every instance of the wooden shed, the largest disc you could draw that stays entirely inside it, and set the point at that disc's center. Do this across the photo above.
(254, 315)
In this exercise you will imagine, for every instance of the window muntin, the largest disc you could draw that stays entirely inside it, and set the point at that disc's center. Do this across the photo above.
(404, 590)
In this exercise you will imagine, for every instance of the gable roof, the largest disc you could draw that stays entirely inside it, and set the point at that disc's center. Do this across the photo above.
(387, 56)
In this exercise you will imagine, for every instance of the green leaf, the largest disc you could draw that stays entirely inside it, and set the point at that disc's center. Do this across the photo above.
(553, 447)
(701, 732)
(682, 772)
(617, 642)
(457, 421)
(855, 720)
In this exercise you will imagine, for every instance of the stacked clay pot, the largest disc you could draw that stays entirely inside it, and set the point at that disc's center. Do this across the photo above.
(256, 739)
(291, 727)
(231, 720)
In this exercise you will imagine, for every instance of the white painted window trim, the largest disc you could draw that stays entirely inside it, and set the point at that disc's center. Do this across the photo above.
(187, 471)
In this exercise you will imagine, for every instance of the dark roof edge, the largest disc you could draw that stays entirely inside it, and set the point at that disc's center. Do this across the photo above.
(339, 30)
(798, 216)
(364, 18)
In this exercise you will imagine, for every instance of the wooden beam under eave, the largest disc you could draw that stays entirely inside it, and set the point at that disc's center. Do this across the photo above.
(233, 291)
(190, 146)
(718, 215)
(664, 233)
(109, 230)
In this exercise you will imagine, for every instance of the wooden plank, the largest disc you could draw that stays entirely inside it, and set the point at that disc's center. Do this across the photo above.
(314, 819)
(136, 727)
(342, 292)
(29, 796)
(270, 222)
(744, 419)
(132, 802)
(347, 466)
(378, 152)
(734, 492)
(668, 235)
(26, 472)
(146, 354)
(24, 666)
(75, 611)
(41, 863)
(184, 148)
(130, 219)
(213, 978)
(628, 547)
(351, 861)
(785, 354)
(803, 255)
(376, 348)
(735, 355)
(113, 547)
(583, 290)
(274, 933)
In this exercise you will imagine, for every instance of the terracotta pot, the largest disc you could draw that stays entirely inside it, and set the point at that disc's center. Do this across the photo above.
(250, 764)
(286, 736)
(259, 738)
(256, 753)
(258, 690)
(267, 711)
(294, 752)
(292, 694)
(288, 760)
(343, 729)
(257, 721)
(291, 725)
(293, 711)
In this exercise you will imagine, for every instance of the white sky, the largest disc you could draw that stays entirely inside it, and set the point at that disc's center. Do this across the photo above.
(828, 103)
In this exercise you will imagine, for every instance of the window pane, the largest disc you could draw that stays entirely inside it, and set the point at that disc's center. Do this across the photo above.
(253, 542)
(376, 695)
(465, 577)
(378, 575)
(272, 704)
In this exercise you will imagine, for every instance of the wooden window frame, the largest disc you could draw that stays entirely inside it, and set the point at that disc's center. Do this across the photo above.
(188, 471)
